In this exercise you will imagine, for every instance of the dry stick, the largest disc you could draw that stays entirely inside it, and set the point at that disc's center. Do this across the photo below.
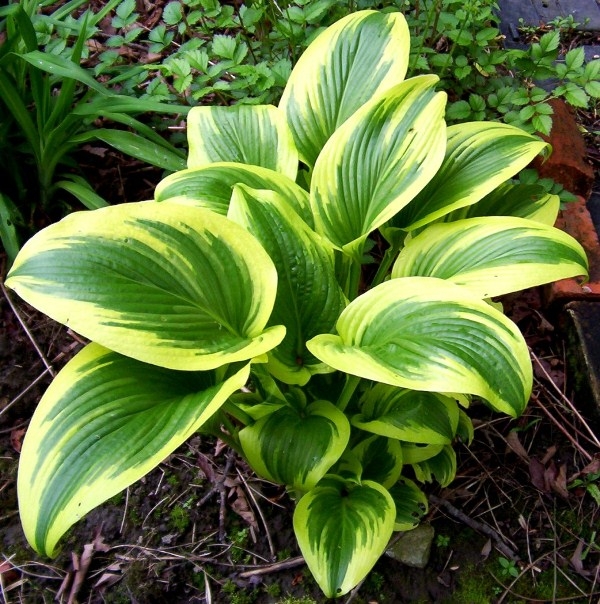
(566, 400)
(559, 403)
(24, 392)
(539, 403)
(487, 530)
(262, 517)
(273, 568)
(26, 330)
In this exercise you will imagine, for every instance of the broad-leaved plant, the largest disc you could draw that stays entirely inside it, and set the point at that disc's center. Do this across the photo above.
(250, 298)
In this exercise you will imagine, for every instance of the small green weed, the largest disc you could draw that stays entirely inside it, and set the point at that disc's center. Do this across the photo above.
(508, 568)
(179, 518)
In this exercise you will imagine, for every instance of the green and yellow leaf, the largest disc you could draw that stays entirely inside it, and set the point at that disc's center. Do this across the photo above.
(408, 415)
(493, 255)
(354, 60)
(424, 333)
(296, 448)
(248, 134)
(211, 187)
(377, 161)
(411, 504)
(167, 284)
(480, 156)
(309, 299)
(104, 422)
(441, 467)
(380, 459)
(342, 529)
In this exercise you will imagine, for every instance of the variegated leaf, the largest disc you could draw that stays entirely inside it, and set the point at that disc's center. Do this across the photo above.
(441, 467)
(380, 459)
(211, 187)
(429, 334)
(248, 134)
(104, 422)
(413, 453)
(408, 415)
(309, 300)
(479, 157)
(493, 255)
(342, 529)
(512, 199)
(296, 448)
(176, 286)
(353, 61)
(377, 161)
(411, 504)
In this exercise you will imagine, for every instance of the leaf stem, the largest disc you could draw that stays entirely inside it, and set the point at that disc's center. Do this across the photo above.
(352, 381)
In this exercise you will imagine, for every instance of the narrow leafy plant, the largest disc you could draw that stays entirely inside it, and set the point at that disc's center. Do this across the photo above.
(314, 288)
(49, 104)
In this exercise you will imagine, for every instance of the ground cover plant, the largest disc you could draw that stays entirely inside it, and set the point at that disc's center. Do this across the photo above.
(243, 301)
(51, 106)
(180, 53)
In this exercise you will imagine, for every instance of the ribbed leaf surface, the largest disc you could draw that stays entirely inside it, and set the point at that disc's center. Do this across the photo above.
(378, 160)
(211, 187)
(247, 134)
(380, 459)
(411, 504)
(428, 334)
(342, 528)
(176, 286)
(354, 60)
(493, 255)
(104, 422)
(296, 449)
(408, 415)
(513, 199)
(479, 157)
(309, 299)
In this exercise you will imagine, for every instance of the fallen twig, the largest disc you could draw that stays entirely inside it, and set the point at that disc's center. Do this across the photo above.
(487, 530)
(273, 568)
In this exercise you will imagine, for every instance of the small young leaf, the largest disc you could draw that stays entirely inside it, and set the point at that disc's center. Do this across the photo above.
(172, 13)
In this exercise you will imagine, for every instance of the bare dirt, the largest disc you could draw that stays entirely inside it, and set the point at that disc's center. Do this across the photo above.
(513, 527)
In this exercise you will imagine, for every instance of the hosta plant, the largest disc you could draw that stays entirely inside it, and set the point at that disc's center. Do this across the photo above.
(315, 288)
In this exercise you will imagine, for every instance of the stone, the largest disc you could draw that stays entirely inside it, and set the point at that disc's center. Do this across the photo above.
(414, 547)
(568, 163)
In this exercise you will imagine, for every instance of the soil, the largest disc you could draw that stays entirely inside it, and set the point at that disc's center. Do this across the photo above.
(518, 524)
(203, 528)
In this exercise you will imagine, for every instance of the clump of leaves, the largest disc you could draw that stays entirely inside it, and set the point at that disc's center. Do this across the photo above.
(49, 106)
(461, 42)
(239, 302)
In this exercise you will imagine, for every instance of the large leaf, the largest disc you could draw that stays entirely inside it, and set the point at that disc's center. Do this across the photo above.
(512, 199)
(479, 157)
(211, 187)
(354, 60)
(377, 161)
(247, 134)
(296, 448)
(428, 334)
(493, 255)
(172, 285)
(104, 422)
(342, 529)
(408, 415)
(309, 300)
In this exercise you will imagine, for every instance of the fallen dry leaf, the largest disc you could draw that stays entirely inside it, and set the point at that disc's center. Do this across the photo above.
(514, 444)
(16, 438)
